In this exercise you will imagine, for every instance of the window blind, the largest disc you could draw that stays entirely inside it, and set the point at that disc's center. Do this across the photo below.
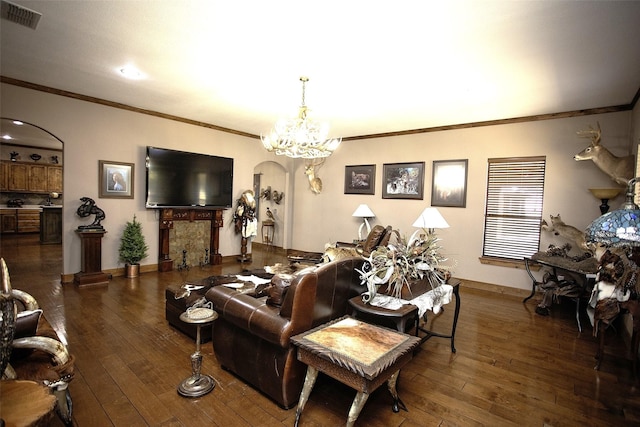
(515, 191)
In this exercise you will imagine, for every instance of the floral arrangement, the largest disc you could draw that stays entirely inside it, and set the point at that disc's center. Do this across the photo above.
(404, 262)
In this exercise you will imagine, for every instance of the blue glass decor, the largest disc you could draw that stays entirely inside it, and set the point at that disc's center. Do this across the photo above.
(620, 227)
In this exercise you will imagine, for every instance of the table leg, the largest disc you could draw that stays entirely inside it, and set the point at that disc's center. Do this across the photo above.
(391, 385)
(309, 382)
(356, 407)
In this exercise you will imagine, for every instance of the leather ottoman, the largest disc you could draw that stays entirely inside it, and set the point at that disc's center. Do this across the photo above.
(174, 307)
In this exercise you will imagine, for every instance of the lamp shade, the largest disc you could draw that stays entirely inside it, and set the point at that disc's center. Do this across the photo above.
(617, 228)
(363, 211)
(620, 227)
(430, 218)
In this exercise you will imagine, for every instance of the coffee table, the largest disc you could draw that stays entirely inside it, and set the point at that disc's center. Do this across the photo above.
(358, 354)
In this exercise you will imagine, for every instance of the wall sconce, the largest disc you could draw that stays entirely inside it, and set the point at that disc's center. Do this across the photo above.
(364, 212)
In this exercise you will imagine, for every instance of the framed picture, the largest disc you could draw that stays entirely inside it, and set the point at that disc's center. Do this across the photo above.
(360, 179)
(449, 186)
(116, 179)
(403, 181)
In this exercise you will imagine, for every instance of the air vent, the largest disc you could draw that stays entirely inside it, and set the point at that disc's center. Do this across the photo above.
(20, 15)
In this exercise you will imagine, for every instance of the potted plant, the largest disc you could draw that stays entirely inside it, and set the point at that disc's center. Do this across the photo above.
(133, 248)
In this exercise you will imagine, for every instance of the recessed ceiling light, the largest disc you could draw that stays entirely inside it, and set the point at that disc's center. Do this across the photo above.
(131, 72)
(7, 137)
(18, 123)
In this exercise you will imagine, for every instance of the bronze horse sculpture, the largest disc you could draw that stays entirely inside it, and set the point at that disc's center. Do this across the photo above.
(88, 207)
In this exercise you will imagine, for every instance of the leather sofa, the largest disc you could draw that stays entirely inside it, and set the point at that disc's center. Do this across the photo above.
(251, 336)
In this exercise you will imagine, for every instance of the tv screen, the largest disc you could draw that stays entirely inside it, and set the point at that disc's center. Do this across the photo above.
(180, 179)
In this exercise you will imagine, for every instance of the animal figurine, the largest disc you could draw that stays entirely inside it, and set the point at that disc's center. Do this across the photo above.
(270, 215)
(620, 169)
(265, 193)
(89, 207)
(277, 196)
(310, 169)
(569, 232)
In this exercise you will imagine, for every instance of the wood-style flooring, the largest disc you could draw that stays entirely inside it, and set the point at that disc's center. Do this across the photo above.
(512, 366)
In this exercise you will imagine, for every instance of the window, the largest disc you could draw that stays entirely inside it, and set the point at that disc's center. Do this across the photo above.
(515, 189)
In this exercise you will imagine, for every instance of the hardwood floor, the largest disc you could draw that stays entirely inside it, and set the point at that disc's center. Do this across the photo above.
(512, 366)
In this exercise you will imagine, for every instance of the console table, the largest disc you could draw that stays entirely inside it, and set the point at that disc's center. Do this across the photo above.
(167, 218)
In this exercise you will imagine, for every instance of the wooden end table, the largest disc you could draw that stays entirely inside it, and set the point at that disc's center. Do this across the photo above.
(358, 354)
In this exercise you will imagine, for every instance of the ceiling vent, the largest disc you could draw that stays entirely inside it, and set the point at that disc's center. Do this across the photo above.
(20, 15)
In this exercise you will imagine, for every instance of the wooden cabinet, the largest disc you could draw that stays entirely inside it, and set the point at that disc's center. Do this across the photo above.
(18, 177)
(51, 226)
(28, 220)
(30, 178)
(38, 179)
(54, 179)
(8, 221)
(4, 176)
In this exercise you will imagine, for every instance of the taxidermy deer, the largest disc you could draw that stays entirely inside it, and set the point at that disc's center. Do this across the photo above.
(569, 232)
(620, 169)
(311, 167)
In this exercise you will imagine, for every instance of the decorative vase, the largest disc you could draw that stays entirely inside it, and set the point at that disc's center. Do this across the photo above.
(414, 289)
(131, 270)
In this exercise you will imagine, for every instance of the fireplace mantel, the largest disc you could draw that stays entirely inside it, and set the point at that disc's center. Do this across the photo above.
(169, 215)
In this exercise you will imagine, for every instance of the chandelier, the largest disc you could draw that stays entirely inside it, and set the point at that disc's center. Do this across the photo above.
(300, 136)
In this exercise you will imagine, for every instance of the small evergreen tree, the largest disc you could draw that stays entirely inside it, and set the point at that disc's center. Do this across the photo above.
(133, 247)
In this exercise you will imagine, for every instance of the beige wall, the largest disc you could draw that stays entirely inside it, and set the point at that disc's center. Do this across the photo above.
(93, 132)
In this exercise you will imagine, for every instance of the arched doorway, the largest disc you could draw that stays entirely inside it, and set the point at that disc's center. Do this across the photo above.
(272, 189)
(31, 160)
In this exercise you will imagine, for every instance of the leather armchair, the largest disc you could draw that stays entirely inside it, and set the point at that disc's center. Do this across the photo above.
(251, 337)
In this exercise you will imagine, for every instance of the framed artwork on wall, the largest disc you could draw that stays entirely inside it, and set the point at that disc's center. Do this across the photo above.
(360, 179)
(116, 179)
(403, 181)
(449, 185)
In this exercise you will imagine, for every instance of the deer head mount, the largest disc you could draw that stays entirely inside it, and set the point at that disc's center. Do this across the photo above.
(311, 167)
(620, 169)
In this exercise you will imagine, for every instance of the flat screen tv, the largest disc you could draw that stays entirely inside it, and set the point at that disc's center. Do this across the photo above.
(182, 179)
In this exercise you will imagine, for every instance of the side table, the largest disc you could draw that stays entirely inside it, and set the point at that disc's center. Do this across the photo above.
(268, 232)
(360, 355)
(400, 317)
(197, 384)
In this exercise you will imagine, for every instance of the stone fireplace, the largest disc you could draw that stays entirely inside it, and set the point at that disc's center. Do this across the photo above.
(191, 230)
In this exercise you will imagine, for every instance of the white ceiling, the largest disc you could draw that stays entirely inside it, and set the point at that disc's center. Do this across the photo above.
(374, 66)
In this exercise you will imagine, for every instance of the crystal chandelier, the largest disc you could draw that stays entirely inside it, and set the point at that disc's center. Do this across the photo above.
(300, 136)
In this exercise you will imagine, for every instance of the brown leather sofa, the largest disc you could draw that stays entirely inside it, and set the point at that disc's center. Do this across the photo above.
(251, 335)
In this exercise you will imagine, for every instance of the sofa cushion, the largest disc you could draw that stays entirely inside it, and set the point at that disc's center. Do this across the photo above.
(278, 289)
(27, 323)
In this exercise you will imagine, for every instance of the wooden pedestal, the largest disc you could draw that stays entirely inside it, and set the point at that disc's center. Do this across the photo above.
(91, 273)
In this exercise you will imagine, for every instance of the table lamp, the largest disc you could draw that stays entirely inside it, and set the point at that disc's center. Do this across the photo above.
(429, 219)
(620, 227)
(364, 212)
